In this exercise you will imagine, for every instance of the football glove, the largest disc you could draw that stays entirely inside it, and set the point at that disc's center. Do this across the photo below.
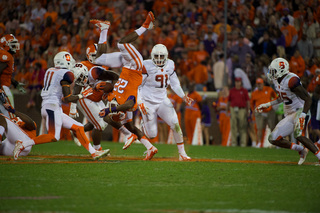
(261, 107)
(21, 88)
(188, 100)
(86, 93)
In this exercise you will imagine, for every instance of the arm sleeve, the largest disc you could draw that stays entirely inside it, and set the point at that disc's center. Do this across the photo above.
(175, 85)
(294, 82)
(69, 77)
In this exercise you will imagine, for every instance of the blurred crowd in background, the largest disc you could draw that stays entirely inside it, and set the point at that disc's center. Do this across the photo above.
(193, 31)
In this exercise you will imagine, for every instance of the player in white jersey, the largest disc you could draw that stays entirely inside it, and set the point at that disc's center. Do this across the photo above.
(99, 79)
(20, 127)
(56, 89)
(297, 102)
(158, 74)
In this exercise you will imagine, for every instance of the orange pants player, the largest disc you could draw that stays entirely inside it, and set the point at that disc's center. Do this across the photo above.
(190, 120)
(224, 125)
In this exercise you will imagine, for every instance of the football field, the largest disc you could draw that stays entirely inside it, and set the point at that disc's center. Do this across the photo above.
(61, 177)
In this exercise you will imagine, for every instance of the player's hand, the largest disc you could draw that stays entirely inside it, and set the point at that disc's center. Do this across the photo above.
(261, 107)
(3, 97)
(104, 112)
(21, 88)
(187, 100)
(86, 93)
(301, 120)
(73, 111)
(9, 107)
(101, 85)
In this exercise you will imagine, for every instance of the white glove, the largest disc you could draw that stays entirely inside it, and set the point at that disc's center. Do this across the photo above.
(300, 122)
(261, 107)
(145, 111)
(86, 93)
(188, 100)
(21, 88)
(73, 111)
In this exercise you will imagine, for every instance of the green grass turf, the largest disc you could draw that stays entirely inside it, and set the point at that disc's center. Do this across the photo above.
(38, 184)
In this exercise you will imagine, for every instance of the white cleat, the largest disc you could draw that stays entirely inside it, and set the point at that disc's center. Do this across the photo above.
(303, 155)
(150, 153)
(100, 154)
(184, 158)
(132, 138)
(102, 25)
(18, 148)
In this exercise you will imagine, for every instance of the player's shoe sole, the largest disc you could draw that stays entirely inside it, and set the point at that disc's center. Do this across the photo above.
(184, 158)
(99, 154)
(303, 156)
(18, 148)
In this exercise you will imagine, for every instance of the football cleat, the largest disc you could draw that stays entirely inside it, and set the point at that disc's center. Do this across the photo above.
(150, 153)
(100, 154)
(132, 138)
(184, 158)
(102, 25)
(318, 164)
(303, 155)
(100, 149)
(148, 23)
(18, 148)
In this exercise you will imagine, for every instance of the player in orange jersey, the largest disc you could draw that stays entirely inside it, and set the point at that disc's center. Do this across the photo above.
(8, 47)
(126, 89)
(21, 127)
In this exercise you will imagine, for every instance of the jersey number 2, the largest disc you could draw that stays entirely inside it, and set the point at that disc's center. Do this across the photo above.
(120, 85)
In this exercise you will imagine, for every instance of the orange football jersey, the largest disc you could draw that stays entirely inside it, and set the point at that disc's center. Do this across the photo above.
(6, 75)
(127, 85)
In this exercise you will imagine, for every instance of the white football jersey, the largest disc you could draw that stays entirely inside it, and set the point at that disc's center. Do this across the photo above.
(291, 101)
(52, 89)
(155, 82)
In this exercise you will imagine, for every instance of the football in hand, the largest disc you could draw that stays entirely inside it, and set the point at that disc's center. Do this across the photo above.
(104, 86)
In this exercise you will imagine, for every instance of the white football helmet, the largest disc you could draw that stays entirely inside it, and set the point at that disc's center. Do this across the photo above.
(278, 68)
(91, 52)
(80, 72)
(159, 55)
(64, 60)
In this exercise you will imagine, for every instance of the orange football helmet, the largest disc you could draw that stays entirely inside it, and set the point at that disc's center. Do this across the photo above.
(10, 43)
(91, 52)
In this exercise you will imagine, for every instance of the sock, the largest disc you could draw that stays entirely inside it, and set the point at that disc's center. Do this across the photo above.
(296, 147)
(140, 31)
(1, 132)
(97, 147)
(28, 143)
(103, 36)
(46, 138)
(181, 149)
(125, 131)
(145, 142)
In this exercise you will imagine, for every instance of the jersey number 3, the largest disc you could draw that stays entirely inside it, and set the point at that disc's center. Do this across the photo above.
(163, 79)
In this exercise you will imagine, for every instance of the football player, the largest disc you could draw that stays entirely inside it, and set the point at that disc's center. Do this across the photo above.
(126, 89)
(158, 74)
(297, 102)
(21, 127)
(8, 47)
(56, 89)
